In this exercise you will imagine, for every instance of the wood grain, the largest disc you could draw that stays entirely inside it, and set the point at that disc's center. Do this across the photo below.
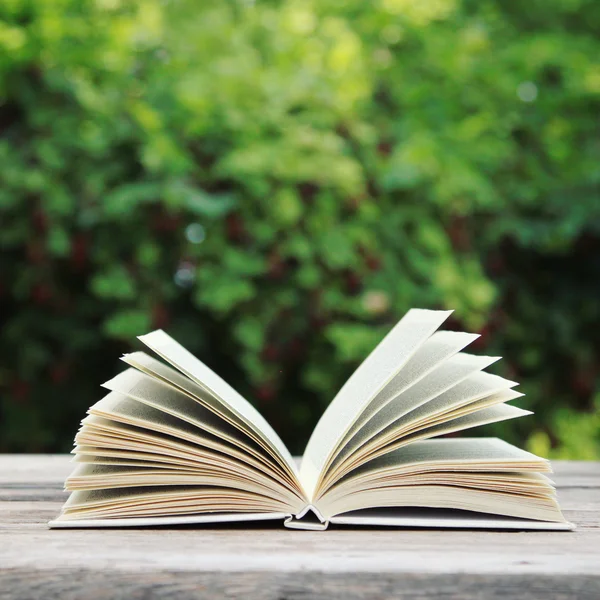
(274, 563)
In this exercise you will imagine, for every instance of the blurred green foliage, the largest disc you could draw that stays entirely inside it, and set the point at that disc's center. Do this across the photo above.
(277, 182)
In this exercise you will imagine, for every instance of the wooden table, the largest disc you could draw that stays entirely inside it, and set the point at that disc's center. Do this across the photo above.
(274, 563)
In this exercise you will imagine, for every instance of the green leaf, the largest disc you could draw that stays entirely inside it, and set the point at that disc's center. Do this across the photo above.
(114, 283)
(250, 332)
(222, 293)
(125, 199)
(197, 201)
(127, 324)
(148, 254)
(353, 341)
(58, 241)
(337, 249)
(244, 263)
(286, 207)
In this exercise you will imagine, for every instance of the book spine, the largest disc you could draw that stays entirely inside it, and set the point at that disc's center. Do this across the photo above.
(308, 519)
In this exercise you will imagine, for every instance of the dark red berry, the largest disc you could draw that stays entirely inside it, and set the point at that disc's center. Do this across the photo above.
(373, 262)
(79, 251)
(265, 392)
(40, 220)
(353, 282)
(234, 226)
(271, 353)
(59, 372)
(160, 316)
(41, 293)
(20, 391)
(384, 148)
(36, 253)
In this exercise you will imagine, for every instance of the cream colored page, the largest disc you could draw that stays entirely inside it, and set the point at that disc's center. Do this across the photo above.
(97, 476)
(163, 411)
(131, 442)
(510, 476)
(458, 380)
(451, 413)
(440, 496)
(121, 440)
(158, 370)
(160, 501)
(164, 374)
(447, 375)
(132, 427)
(148, 390)
(493, 414)
(476, 387)
(88, 455)
(209, 469)
(452, 473)
(187, 363)
(381, 447)
(451, 450)
(201, 426)
(63, 522)
(367, 381)
(126, 413)
(428, 415)
(441, 346)
(473, 476)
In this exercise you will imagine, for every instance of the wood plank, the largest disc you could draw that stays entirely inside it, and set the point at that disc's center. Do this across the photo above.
(35, 469)
(260, 548)
(274, 585)
(576, 474)
(271, 562)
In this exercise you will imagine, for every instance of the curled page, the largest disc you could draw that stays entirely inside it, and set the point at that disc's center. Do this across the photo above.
(219, 390)
(365, 383)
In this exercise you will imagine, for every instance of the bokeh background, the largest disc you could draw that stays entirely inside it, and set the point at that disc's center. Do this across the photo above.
(276, 182)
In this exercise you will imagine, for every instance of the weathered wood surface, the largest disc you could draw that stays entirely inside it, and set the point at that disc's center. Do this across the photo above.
(269, 562)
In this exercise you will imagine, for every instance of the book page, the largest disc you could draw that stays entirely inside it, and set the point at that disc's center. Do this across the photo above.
(366, 382)
(155, 393)
(472, 390)
(449, 413)
(439, 382)
(385, 444)
(487, 451)
(148, 401)
(163, 501)
(162, 447)
(493, 414)
(88, 476)
(451, 497)
(161, 372)
(161, 394)
(121, 427)
(441, 346)
(221, 394)
(205, 519)
(480, 474)
(139, 460)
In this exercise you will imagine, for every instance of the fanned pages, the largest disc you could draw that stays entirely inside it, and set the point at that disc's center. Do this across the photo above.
(175, 444)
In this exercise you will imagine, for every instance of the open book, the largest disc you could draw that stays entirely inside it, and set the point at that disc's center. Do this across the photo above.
(177, 445)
